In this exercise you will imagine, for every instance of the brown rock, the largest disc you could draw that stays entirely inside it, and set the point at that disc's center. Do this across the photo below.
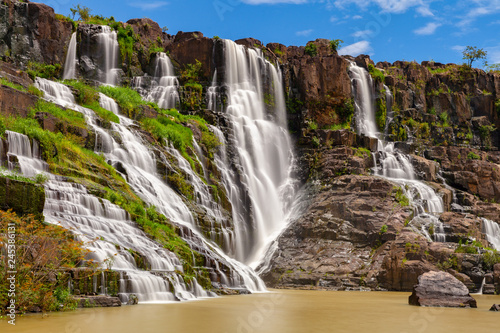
(441, 289)
(495, 307)
(14, 102)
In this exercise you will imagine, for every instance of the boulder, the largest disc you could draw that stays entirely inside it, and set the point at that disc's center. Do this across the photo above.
(495, 307)
(98, 301)
(441, 289)
(133, 300)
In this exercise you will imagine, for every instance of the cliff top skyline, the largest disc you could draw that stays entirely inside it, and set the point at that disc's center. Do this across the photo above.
(387, 30)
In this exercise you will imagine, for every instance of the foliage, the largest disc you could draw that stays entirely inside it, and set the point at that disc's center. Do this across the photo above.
(401, 198)
(472, 53)
(191, 72)
(376, 73)
(473, 156)
(82, 11)
(56, 250)
(444, 119)
(362, 152)
(335, 44)
(5, 82)
(381, 113)
(88, 97)
(164, 128)
(313, 125)
(71, 117)
(311, 49)
(46, 71)
(490, 258)
(128, 99)
(383, 229)
(126, 39)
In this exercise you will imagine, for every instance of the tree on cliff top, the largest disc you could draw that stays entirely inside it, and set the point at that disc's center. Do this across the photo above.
(472, 53)
(82, 11)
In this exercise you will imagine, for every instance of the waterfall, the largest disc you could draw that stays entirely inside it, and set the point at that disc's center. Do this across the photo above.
(108, 43)
(164, 90)
(213, 98)
(262, 190)
(70, 63)
(393, 164)
(139, 163)
(492, 232)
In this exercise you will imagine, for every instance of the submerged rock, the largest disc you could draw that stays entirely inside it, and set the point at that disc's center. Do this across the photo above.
(495, 307)
(98, 301)
(441, 289)
(133, 300)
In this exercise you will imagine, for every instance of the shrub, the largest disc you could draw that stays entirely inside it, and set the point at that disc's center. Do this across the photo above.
(473, 156)
(313, 125)
(401, 198)
(46, 71)
(335, 44)
(311, 49)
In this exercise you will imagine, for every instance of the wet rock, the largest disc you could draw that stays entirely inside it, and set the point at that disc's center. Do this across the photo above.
(98, 301)
(133, 300)
(495, 307)
(14, 102)
(441, 289)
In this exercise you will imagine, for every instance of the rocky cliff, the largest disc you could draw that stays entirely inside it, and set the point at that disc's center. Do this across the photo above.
(357, 231)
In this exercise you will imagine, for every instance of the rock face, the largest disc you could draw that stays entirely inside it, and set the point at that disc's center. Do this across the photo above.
(31, 31)
(98, 301)
(440, 289)
(22, 197)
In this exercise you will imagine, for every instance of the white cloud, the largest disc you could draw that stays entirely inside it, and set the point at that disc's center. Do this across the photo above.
(390, 6)
(362, 34)
(458, 48)
(428, 29)
(357, 17)
(333, 19)
(304, 33)
(356, 48)
(149, 5)
(272, 2)
(484, 7)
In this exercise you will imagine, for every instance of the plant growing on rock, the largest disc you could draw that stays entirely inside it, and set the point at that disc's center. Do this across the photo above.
(472, 53)
(335, 44)
(311, 49)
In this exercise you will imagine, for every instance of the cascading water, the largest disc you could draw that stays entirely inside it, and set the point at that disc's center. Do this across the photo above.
(395, 165)
(140, 171)
(164, 87)
(70, 63)
(492, 232)
(108, 43)
(262, 191)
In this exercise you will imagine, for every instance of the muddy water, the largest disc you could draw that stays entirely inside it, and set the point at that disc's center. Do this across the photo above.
(276, 312)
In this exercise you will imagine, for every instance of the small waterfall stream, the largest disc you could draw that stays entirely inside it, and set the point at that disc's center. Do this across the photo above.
(395, 165)
(108, 43)
(71, 59)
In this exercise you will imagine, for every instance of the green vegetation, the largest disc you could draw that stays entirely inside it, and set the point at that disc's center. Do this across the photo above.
(335, 44)
(190, 77)
(444, 119)
(376, 73)
(381, 113)
(71, 117)
(313, 125)
(383, 229)
(311, 49)
(490, 258)
(33, 285)
(401, 198)
(88, 97)
(362, 152)
(36, 69)
(473, 156)
(472, 53)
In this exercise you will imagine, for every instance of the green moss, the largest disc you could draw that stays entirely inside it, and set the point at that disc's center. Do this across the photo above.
(381, 113)
(128, 99)
(178, 182)
(71, 117)
(401, 198)
(313, 125)
(376, 73)
(46, 71)
(163, 128)
(473, 156)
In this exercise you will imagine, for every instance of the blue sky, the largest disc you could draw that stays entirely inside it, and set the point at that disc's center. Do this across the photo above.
(387, 30)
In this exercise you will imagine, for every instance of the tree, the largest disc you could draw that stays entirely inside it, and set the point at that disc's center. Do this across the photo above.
(472, 53)
(335, 44)
(82, 11)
